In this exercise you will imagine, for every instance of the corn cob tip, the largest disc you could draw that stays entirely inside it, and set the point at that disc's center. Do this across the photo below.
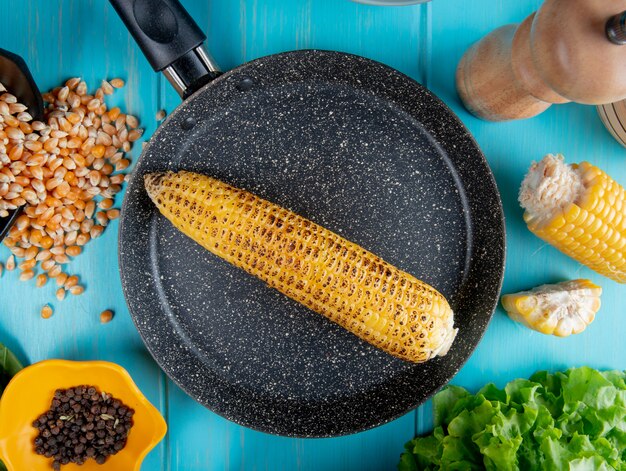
(550, 186)
(451, 334)
(152, 181)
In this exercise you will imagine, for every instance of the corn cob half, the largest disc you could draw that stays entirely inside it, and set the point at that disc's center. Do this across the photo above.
(312, 265)
(580, 210)
(561, 309)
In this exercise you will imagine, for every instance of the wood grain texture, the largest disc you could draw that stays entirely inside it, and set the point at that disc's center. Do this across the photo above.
(62, 38)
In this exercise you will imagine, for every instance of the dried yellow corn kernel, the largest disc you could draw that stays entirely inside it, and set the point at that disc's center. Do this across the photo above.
(106, 316)
(312, 265)
(53, 169)
(46, 312)
(580, 210)
(561, 309)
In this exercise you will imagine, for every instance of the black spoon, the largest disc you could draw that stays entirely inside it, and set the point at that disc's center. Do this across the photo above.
(18, 81)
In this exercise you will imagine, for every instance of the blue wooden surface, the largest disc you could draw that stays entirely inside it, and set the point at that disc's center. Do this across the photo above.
(63, 38)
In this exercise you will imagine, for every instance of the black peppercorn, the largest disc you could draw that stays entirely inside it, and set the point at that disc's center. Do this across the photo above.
(82, 424)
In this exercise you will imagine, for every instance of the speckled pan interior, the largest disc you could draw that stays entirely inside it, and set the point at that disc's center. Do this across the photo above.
(350, 144)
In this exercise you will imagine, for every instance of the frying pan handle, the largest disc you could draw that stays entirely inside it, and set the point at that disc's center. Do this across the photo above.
(171, 41)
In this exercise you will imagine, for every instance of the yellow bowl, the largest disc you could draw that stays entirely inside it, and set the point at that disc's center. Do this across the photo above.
(30, 392)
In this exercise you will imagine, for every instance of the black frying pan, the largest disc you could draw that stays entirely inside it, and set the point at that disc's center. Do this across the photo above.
(351, 144)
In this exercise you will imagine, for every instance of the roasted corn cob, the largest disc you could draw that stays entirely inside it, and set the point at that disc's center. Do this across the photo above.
(561, 309)
(580, 210)
(330, 275)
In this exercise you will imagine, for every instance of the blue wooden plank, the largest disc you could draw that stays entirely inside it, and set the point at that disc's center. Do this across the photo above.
(202, 440)
(60, 39)
(509, 350)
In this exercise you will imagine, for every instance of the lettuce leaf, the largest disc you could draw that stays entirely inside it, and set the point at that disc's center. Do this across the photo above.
(573, 420)
(9, 366)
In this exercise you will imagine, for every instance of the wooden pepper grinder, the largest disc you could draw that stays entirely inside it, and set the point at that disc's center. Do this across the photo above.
(569, 50)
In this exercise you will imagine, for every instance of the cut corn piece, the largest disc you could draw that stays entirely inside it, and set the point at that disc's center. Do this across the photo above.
(580, 210)
(561, 309)
(312, 265)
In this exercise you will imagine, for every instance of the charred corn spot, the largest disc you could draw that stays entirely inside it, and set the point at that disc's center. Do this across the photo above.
(312, 265)
(561, 309)
(580, 210)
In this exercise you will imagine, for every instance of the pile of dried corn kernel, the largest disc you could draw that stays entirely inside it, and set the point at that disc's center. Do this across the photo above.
(65, 172)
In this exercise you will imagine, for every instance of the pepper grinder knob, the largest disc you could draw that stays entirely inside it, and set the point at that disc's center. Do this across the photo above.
(616, 29)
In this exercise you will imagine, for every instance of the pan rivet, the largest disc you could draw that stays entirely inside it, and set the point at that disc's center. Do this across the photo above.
(245, 84)
(188, 123)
